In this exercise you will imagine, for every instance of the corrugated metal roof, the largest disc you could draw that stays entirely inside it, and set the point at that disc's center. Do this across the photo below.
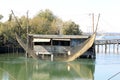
(58, 36)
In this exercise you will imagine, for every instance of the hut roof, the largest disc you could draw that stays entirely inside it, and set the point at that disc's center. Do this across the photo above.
(59, 36)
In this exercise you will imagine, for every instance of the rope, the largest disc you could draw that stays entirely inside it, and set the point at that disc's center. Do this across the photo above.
(113, 75)
(8, 74)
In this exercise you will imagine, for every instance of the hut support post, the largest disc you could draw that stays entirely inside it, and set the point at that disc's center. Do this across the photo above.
(105, 48)
(52, 49)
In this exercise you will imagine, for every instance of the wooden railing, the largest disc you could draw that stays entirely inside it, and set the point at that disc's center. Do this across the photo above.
(103, 42)
(107, 46)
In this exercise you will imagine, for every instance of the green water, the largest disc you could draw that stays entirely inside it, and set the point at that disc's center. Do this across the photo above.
(14, 67)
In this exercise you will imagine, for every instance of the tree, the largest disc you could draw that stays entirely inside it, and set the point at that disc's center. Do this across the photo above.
(43, 22)
(1, 16)
(47, 14)
(70, 28)
(1, 23)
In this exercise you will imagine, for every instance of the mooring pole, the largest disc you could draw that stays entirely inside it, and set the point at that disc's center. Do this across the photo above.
(27, 37)
(113, 48)
(117, 46)
(105, 47)
(98, 48)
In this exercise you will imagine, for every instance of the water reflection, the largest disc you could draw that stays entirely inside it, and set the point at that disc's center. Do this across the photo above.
(29, 69)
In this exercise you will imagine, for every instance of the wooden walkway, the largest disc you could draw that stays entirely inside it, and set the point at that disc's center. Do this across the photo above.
(103, 42)
(107, 45)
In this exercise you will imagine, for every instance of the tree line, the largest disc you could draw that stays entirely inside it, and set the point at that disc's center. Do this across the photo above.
(45, 22)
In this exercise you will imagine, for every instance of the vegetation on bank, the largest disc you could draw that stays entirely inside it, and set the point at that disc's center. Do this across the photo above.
(45, 22)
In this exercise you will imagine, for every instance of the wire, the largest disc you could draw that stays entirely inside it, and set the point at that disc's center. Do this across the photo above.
(113, 75)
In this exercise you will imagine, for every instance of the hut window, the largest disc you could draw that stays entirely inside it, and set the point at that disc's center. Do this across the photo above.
(55, 42)
(65, 43)
(61, 43)
(42, 43)
(41, 40)
(38, 41)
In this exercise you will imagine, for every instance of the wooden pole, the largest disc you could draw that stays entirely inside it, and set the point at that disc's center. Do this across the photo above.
(93, 22)
(102, 48)
(109, 48)
(27, 37)
(105, 48)
(98, 48)
(113, 48)
(97, 23)
(19, 28)
(52, 49)
(117, 47)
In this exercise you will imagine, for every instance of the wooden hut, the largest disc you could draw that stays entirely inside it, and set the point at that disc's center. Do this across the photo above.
(58, 45)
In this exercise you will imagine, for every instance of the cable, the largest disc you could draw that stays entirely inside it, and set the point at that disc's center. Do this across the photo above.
(113, 75)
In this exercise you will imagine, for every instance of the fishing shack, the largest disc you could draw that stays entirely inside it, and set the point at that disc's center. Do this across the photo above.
(49, 46)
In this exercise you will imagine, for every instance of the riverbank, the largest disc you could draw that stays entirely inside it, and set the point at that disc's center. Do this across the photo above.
(4, 49)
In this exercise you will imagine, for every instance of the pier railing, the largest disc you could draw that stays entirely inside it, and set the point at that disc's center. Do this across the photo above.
(103, 42)
(107, 46)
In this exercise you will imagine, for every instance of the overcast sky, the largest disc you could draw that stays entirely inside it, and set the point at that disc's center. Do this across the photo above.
(76, 10)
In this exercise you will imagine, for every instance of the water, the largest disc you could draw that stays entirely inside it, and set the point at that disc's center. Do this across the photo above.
(14, 67)
(106, 66)
(104, 37)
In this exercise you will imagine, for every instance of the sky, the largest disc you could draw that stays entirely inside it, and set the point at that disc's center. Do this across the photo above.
(78, 11)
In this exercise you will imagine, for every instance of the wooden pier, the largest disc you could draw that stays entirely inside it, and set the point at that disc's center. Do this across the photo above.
(107, 46)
